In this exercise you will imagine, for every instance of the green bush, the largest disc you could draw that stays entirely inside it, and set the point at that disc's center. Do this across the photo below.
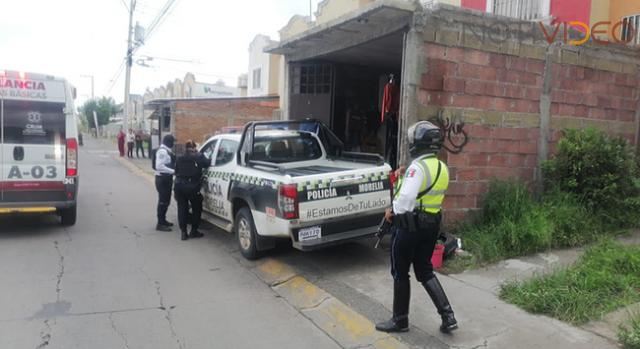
(573, 224)
(605, 278)
(600, 170)
(630, 336)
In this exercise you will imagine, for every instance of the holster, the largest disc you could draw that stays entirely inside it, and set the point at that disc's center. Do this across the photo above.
(416, 220)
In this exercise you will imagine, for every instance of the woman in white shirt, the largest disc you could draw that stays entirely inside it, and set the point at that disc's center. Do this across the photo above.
(131, 138)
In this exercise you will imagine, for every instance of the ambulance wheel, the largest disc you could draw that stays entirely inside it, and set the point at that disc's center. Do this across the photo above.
(68, 215)
(245, 231)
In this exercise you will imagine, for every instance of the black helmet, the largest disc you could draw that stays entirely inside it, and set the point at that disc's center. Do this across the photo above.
(168, 141)
(424, 138)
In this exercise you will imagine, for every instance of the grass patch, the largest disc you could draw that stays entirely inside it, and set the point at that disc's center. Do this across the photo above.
(605, 278)
(629, 336)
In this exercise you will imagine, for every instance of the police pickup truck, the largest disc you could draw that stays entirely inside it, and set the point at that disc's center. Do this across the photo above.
(292, 179)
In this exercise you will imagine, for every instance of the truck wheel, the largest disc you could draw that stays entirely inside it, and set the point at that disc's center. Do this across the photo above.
(246, 233)
(68, 215)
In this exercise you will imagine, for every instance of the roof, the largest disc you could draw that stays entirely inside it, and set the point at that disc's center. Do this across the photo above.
(375, 20)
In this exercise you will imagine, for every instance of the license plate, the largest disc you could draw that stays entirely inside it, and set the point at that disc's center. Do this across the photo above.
(311, 233)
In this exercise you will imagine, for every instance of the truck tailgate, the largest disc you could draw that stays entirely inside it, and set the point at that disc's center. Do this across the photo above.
(343, 194)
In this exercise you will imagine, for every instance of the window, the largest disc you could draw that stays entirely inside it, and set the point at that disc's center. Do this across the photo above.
(28, 122)
(226, 152)
(208, 149)
(522, 9)
(631, 30)
(299, 147)
(312, 79)
(257, 78)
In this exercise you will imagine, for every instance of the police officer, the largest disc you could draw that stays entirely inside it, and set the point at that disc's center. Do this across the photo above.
(416, 218)
(189, 168)
(164, 165)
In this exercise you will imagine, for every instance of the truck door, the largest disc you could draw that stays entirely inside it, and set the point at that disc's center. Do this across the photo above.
(1, 150)
(33, 151)
(207, 150)
(223, 163)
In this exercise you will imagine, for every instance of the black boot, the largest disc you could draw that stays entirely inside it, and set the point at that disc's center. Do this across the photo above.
(184, 235)
(439, 298)
(400, 320)
(195, 233)
(162, 227)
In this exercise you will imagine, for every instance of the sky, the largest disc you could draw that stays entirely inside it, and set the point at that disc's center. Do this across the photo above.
(76, 39)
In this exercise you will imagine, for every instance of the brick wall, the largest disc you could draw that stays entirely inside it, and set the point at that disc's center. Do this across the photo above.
(496, 89)
(198, 119)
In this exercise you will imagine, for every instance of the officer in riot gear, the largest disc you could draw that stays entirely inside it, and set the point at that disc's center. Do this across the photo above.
(189, 171)
(164, 165)
(416, 216)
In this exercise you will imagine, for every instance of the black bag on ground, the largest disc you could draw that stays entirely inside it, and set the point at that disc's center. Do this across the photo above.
(152, 156)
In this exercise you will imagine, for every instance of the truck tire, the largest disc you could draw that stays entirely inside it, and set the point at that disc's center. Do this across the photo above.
(68, 215)
(245, 231)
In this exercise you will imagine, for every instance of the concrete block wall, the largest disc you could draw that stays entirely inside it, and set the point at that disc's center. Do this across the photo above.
(198, 119)
(496, 88)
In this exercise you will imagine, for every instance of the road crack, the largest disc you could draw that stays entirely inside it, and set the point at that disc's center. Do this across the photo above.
(60, 270)
(45, 336)
(120, 334)
(168, 316)
(316, 305)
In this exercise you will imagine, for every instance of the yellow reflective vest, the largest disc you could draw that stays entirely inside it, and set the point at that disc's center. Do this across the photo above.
(430, 202)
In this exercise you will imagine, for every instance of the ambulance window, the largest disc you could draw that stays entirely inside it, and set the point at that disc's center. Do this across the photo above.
(226, 152)
(27, 122)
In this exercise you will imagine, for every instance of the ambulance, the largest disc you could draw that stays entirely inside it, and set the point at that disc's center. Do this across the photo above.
(38, 146)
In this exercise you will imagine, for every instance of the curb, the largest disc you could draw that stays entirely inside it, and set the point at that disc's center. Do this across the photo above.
(135, 169)
(344, 325)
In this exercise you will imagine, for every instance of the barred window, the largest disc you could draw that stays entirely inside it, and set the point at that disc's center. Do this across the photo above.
(313, 79)
(630, 29)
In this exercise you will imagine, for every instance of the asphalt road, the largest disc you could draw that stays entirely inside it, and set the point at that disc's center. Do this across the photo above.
(112, 281)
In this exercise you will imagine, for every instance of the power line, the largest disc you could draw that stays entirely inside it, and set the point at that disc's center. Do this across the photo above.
(115, 77)
(125, 5)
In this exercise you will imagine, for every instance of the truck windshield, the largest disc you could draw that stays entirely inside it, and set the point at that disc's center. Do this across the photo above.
(289, 147)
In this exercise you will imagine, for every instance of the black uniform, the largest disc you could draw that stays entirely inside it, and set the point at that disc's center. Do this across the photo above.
(189, 171)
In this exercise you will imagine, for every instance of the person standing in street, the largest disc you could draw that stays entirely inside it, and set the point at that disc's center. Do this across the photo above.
(139, 147)
(189, 171)
(164, 166)
(121, 139)
(416, 217)
(130, 142)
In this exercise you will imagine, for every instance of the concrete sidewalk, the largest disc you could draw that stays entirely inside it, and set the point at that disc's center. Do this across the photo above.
(485, 320)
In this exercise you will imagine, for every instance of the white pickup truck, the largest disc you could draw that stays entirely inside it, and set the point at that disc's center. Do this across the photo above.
(288, 179)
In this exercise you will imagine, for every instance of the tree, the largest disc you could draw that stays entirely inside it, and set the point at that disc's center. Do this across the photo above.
(104, 107)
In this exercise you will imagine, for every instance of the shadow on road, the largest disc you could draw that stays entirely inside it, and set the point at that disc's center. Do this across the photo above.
(28, 225)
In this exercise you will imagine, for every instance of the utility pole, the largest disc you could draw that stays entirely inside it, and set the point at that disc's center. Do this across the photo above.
(127, 82)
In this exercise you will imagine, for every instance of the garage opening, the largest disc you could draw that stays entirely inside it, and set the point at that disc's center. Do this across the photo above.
(356, 91)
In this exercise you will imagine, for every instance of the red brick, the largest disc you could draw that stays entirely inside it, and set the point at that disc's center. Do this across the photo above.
(467, 101)
(467, 174)
(591, 100)
(628, 104)
(457, 188)
(535, 66)
(528, 79)
(604, 102)
(453, 84)
(477, 188)
(531, 161)
(497, 60)
(475, 87)
(504, 104)
(476, 145)
(480, 159)
(458, 159)
(455, 54)
(451, 218)
(572, 98)
(498, 160)
(462, 201)
(596, 113)
(437, 98)
(582, 111)
(557, 96)
(555, 108)
(432, 82)
(478, 131)
(466, 70)
(533, 93)
(517, 160)
(435, 51)
(534, 134)
(476, 57)
(605, 77)
(625, 115)
(514, 91)
(567, 110)
(441, 67)
(505, 75)
(516, 63)
(528, 147)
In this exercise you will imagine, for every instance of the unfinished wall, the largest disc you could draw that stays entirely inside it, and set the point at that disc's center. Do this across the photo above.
(198, 119)
(498, 88)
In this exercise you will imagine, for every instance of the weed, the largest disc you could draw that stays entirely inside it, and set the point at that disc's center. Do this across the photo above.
(605, 278)
(630, 336)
